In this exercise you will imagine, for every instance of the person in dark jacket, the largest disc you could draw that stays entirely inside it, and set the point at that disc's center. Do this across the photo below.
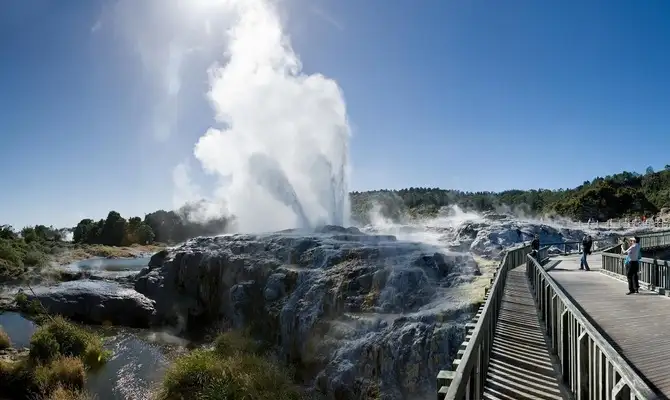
(535, 248)
(587, 243)
(535, 243)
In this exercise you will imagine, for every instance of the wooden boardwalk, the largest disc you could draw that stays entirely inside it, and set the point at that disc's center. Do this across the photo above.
(637, 325)
(521, 366)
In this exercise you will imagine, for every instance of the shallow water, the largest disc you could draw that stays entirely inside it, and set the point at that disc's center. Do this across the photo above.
(18, 328)
(139, 360)
(137, 365)
(107, 267)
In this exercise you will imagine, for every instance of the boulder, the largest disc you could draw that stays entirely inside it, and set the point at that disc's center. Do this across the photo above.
(96, 302)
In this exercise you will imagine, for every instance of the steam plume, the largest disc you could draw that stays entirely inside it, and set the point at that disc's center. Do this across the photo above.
(284, 153)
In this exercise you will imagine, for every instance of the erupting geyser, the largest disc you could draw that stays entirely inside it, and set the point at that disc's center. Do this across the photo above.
(283, 154)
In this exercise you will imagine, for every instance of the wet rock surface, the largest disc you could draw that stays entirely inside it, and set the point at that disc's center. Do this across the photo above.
(354, 312)
(96, 302)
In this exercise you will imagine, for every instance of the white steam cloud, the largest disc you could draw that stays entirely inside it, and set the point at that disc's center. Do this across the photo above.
(285, 151)
(281, 159)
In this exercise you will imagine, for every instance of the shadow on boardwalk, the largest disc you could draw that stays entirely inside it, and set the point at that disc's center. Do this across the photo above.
(521, 366)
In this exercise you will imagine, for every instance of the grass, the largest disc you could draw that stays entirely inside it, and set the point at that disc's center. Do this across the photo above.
(64, 372)
(60, 393)
(233, 370)
(55, 368)
(59, 337)
(5, 342)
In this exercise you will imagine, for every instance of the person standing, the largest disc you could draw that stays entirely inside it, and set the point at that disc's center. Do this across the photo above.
(633, 253)
(535, 248)
(587, 243)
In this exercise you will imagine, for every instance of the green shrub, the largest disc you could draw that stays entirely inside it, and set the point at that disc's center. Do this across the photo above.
(204, 374)
(233, 342)
(64, 372)
(35, 258)
(61, 393)
(16, 380)
(9, 253)
(59, 337)
(5, 342)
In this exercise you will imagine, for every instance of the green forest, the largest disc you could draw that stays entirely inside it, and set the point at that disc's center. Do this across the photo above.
(627, 194)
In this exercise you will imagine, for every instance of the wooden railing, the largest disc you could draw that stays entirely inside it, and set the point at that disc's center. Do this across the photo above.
(591, 368)
(655, 240)
(624, 224)
(654, 274)
(468, 377)
(569, 247)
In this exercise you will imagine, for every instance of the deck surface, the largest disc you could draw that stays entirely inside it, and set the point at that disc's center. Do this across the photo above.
(637, 325)
(521, 366)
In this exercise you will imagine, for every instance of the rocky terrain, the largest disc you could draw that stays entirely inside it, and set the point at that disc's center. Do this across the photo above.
(381, 309)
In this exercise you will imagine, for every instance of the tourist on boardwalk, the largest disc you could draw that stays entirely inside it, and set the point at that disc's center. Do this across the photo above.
(535, 248)
(633, 267)
(587, 243)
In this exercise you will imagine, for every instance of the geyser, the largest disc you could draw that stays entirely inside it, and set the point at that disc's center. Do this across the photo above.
(283, 153)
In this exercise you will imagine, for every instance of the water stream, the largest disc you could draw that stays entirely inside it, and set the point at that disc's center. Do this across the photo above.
(140, 356)
(139, 360)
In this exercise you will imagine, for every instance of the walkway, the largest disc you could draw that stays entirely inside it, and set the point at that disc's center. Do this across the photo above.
(636, 325)
(520, 365)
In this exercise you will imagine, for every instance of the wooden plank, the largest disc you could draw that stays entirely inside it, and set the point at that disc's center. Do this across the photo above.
(521, 366)
(636, 325)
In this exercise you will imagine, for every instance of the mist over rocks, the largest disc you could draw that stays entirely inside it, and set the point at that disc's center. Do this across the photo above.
(489, 234)
(352, 311)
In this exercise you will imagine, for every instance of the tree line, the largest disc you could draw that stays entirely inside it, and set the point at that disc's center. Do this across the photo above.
(626, 194)
(159, 226)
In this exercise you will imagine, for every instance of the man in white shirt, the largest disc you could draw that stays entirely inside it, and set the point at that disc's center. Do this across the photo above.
(633, 253)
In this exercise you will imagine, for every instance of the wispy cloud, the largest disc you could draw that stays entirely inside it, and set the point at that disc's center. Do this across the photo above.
(327, 17)
(97, 26)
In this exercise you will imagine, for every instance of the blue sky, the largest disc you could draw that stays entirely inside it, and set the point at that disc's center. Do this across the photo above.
(472, 95)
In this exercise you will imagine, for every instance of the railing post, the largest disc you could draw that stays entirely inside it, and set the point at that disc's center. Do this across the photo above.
(565, 346)
(583, 378)
(555, 323)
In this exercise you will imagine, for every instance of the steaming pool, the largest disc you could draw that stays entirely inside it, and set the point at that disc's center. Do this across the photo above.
(106, 268)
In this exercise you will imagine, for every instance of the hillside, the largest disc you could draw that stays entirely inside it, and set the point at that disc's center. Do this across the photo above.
(621, 195)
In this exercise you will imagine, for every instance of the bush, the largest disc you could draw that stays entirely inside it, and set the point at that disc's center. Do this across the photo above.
(231, 371)
(232, 342)
(16, 380)
(64, 372)
(10, 254)
(35, 259)
(5, 342)
(32, 307)
(59, 337)
(55, 367)
(67, 394)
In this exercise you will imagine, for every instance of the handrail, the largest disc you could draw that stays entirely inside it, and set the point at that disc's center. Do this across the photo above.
(654, 274)
(655, 240)
(469, 375)
(590, 366)
(568, 246)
